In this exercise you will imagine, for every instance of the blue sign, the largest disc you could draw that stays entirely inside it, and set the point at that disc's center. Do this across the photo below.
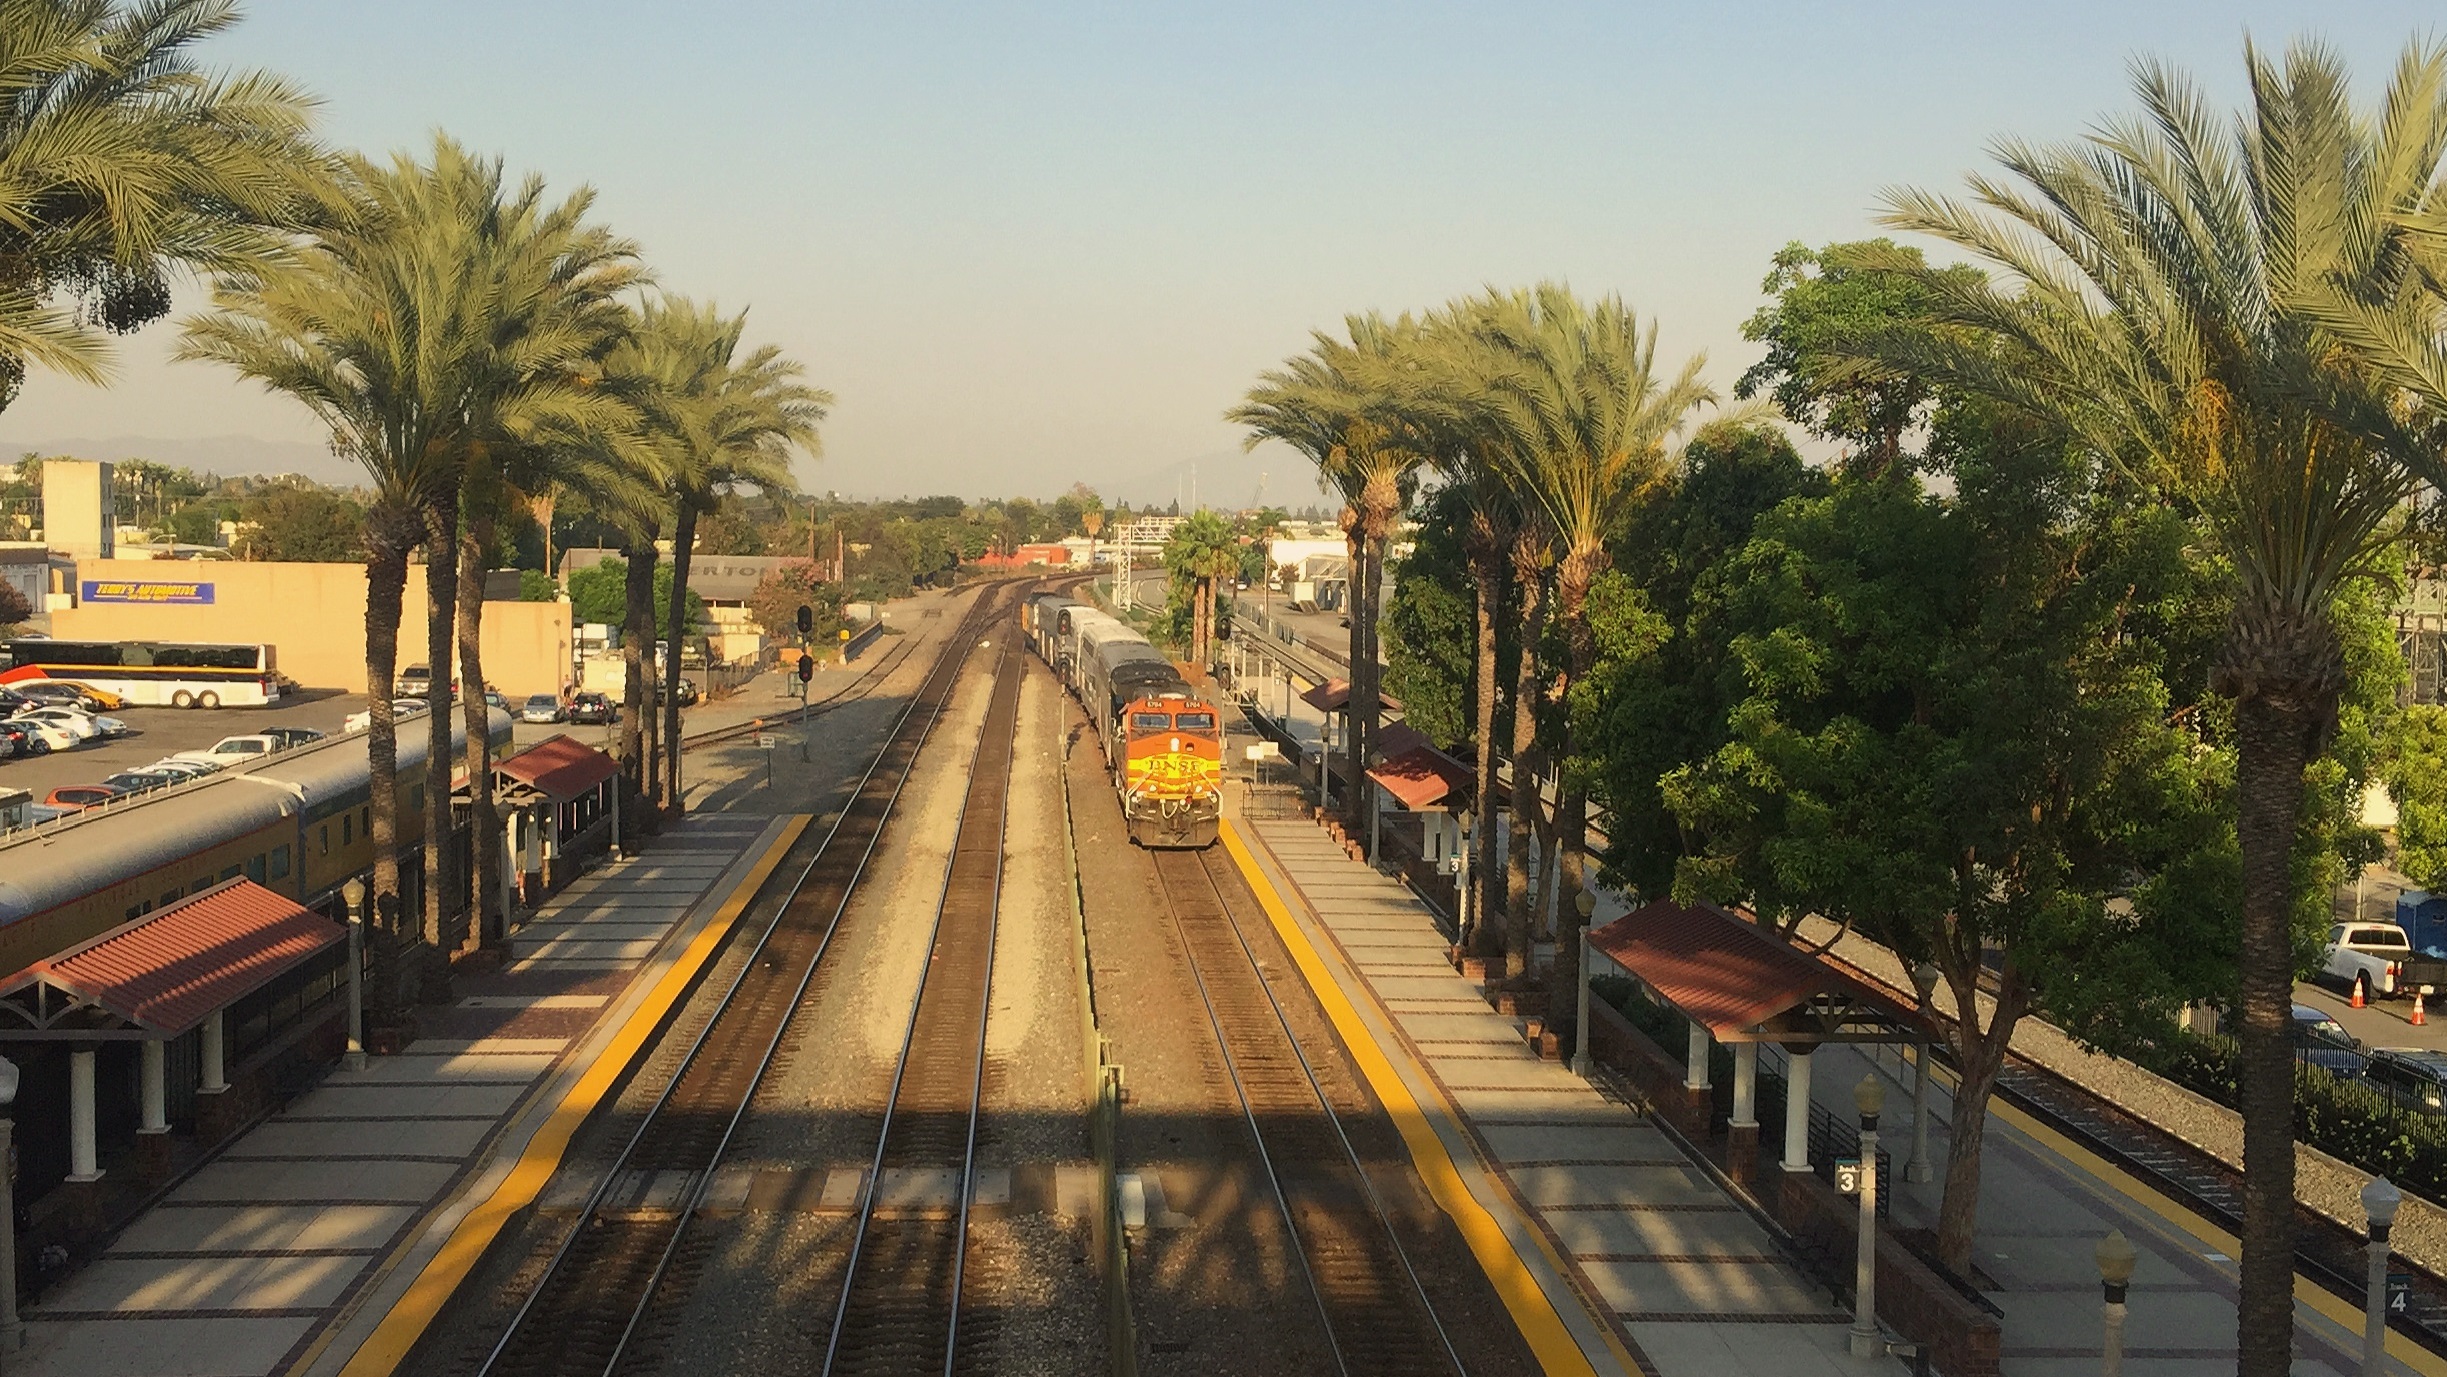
(147, 591)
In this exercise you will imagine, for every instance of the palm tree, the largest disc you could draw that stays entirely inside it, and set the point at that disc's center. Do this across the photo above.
(740, 420)
(406, 331)
(1202, 550)
(120, 160)
(1588, 426)
(2213, 304)
(1326, 404)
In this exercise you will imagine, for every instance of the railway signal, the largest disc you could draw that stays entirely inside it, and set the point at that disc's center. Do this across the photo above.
(807, 619)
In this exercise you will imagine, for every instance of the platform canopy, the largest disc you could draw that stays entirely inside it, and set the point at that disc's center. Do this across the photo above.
(562, 769)
(1744, 984)
(165, 973)
(1424, 777)
(1334, 695)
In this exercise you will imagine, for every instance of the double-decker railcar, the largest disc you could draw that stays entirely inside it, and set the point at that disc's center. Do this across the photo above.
(299, 823)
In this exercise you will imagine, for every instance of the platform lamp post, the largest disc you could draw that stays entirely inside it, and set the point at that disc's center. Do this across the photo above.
(12, 1331)
(2115, 1257)
(1586, 902)
(1869, 1097)
(1918, 1170)
(353, 895)
(2379, 1201)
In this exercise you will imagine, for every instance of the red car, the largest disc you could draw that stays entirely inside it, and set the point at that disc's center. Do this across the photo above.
(76, 798)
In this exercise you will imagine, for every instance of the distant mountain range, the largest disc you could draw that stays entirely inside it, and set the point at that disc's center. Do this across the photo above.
(225, 455)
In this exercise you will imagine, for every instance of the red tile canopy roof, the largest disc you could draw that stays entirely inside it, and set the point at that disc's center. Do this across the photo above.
(1423, 777)
(560, 767)
(1334, 695)
(167, 971)
(1744, 984)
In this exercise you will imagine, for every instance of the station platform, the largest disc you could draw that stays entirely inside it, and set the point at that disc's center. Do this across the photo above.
(298, 1241)
(2044, 1204)
(1613, 1253)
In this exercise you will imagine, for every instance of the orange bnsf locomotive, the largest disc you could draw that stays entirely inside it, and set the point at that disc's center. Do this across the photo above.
(1162, 740)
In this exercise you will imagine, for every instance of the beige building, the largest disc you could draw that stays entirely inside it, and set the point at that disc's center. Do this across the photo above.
(80, 516)
(313, 615)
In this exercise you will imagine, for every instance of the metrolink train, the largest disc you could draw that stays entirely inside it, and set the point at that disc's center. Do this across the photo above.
(300, 823)
(1163, 741)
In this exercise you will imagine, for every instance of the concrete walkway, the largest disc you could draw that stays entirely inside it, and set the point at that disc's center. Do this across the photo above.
(2043, 1212)
(243, 1267)
(1628, 1239)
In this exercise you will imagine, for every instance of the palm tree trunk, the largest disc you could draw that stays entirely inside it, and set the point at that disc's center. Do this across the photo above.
(489, 905)
(637, 617)
(2273, 739)
(1525, 771)
(1487, 939)
(1573, 579)
(388, 537)
(441, 617)
(1369, 673)
(1356, 610)
(683, 532)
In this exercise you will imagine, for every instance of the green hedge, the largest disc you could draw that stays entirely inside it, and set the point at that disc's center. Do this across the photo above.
(2346, 1119)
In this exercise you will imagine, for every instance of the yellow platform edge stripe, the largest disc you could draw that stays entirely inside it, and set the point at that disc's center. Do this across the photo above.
(1531, 1308)
(2183, 1218)
(389, 1345)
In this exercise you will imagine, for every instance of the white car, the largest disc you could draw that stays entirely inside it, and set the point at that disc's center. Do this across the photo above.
(54, 735)
(401, 710)
(233, 750)
(86, 725)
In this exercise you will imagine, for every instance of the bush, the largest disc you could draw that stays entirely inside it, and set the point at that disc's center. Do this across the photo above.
(2347, 1119)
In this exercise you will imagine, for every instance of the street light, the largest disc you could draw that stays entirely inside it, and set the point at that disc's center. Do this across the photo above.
(12, 1333)
(2115, 1258)
(1869, 1097)
(2379, 1201)
(1918, 1170)
(353, 895)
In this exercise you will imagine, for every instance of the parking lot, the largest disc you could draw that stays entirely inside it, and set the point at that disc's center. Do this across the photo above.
(157, 732)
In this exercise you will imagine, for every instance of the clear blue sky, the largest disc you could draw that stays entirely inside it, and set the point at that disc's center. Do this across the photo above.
(1033, 244)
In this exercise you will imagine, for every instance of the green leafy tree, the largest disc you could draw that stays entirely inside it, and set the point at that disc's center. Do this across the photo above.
(1944, 743)
(1429, 663)
(14, 608)
(2231, 309)
(1822, 303)
(599, 593)
(1645, 715)
(2417, 780)
(300, 523)
(779, 595)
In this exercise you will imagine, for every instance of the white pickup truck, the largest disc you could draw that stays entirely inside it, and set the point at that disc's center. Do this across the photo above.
(2366, 957)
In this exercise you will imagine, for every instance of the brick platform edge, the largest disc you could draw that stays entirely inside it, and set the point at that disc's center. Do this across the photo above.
(1964, 1338)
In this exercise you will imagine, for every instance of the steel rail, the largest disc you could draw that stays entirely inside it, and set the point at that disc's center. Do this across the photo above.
(1168, 865)
(933, 695)
(998, 737)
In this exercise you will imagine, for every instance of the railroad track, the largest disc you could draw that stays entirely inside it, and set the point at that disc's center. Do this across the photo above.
(1376, 1316)
(2325, 1251)
(867, 682)
(586, 1309)
(899, 1308)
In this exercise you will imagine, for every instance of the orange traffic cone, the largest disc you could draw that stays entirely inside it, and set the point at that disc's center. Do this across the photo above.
(2417, 1020)
(2356, 1001)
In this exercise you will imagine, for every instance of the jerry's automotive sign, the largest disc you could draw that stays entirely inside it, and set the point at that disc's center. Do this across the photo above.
(175, 594)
